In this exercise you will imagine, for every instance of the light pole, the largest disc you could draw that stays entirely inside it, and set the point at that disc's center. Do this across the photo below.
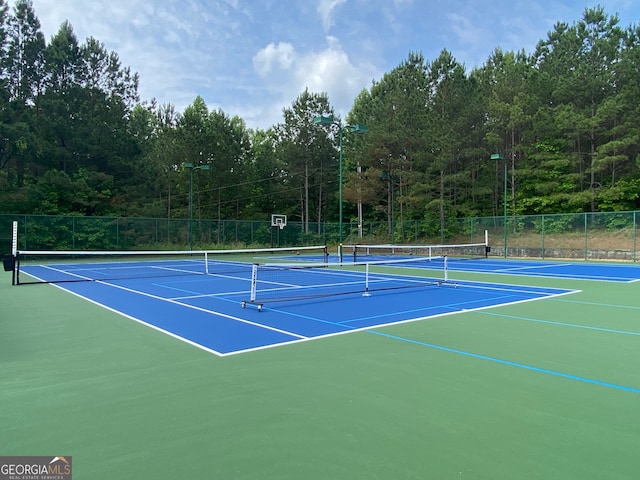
(328, 120)
(498, 156)
(191, 168)
(360, 219)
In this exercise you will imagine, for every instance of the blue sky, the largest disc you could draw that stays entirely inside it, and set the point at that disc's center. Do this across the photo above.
(252, 58)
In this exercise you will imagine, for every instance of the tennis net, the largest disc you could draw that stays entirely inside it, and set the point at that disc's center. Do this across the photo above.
(363, 253)
(294, 282)
(39, 266)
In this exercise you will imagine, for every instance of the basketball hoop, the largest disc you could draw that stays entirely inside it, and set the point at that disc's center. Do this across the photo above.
(279, 221)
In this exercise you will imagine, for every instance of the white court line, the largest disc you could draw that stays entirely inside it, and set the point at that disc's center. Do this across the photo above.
(532, 267)
(388, 324)
(301, 338)
(178, 337)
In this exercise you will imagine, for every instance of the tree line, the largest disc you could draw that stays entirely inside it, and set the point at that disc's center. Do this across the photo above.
(76, 139)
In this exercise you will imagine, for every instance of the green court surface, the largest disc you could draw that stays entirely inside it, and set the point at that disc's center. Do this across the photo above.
(548, 389)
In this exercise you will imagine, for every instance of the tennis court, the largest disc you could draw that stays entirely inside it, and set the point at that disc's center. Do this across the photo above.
(481, 368)
(296, 301)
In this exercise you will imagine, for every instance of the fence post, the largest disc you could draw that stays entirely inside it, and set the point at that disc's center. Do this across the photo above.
(542, 227)
(585, 235)
(635, 230)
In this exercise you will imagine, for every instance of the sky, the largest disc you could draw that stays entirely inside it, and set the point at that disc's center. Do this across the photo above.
(253, 58)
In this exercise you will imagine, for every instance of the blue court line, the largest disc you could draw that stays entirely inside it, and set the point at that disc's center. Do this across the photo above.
(608, 305)
(510, 364)
(306, 317)
(345, 323)
(561, 324)
(454, 307)
(531, 267)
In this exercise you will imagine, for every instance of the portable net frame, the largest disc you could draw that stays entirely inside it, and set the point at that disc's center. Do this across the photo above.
(41, 266)
(299, 282)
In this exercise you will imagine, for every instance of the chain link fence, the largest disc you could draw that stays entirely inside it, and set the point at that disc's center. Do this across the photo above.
(587, 236)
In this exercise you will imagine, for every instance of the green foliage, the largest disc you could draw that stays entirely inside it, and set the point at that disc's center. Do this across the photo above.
(559, 223)
(309, 155)
(623, 196)
(618, 222)
(75, 140)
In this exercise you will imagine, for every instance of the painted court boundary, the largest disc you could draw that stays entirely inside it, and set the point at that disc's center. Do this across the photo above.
(294, 338)
(509, 363)
(286, 337)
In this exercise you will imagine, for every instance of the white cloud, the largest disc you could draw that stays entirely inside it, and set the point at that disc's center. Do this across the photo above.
(252, 58)
(273, 56)
(326, 11)
(467, 31)
(328, 71)
(286, 73)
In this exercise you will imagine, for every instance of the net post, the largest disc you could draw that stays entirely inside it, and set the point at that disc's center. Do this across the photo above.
(254, 282)
(446, 269)
(325, 253)
(340, 253)
(366, 281)
(14, 252)
(487, 248)
(206, 263)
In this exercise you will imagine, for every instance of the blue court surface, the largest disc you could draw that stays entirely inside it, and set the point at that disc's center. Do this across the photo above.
(206, 309)
(570, 270)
